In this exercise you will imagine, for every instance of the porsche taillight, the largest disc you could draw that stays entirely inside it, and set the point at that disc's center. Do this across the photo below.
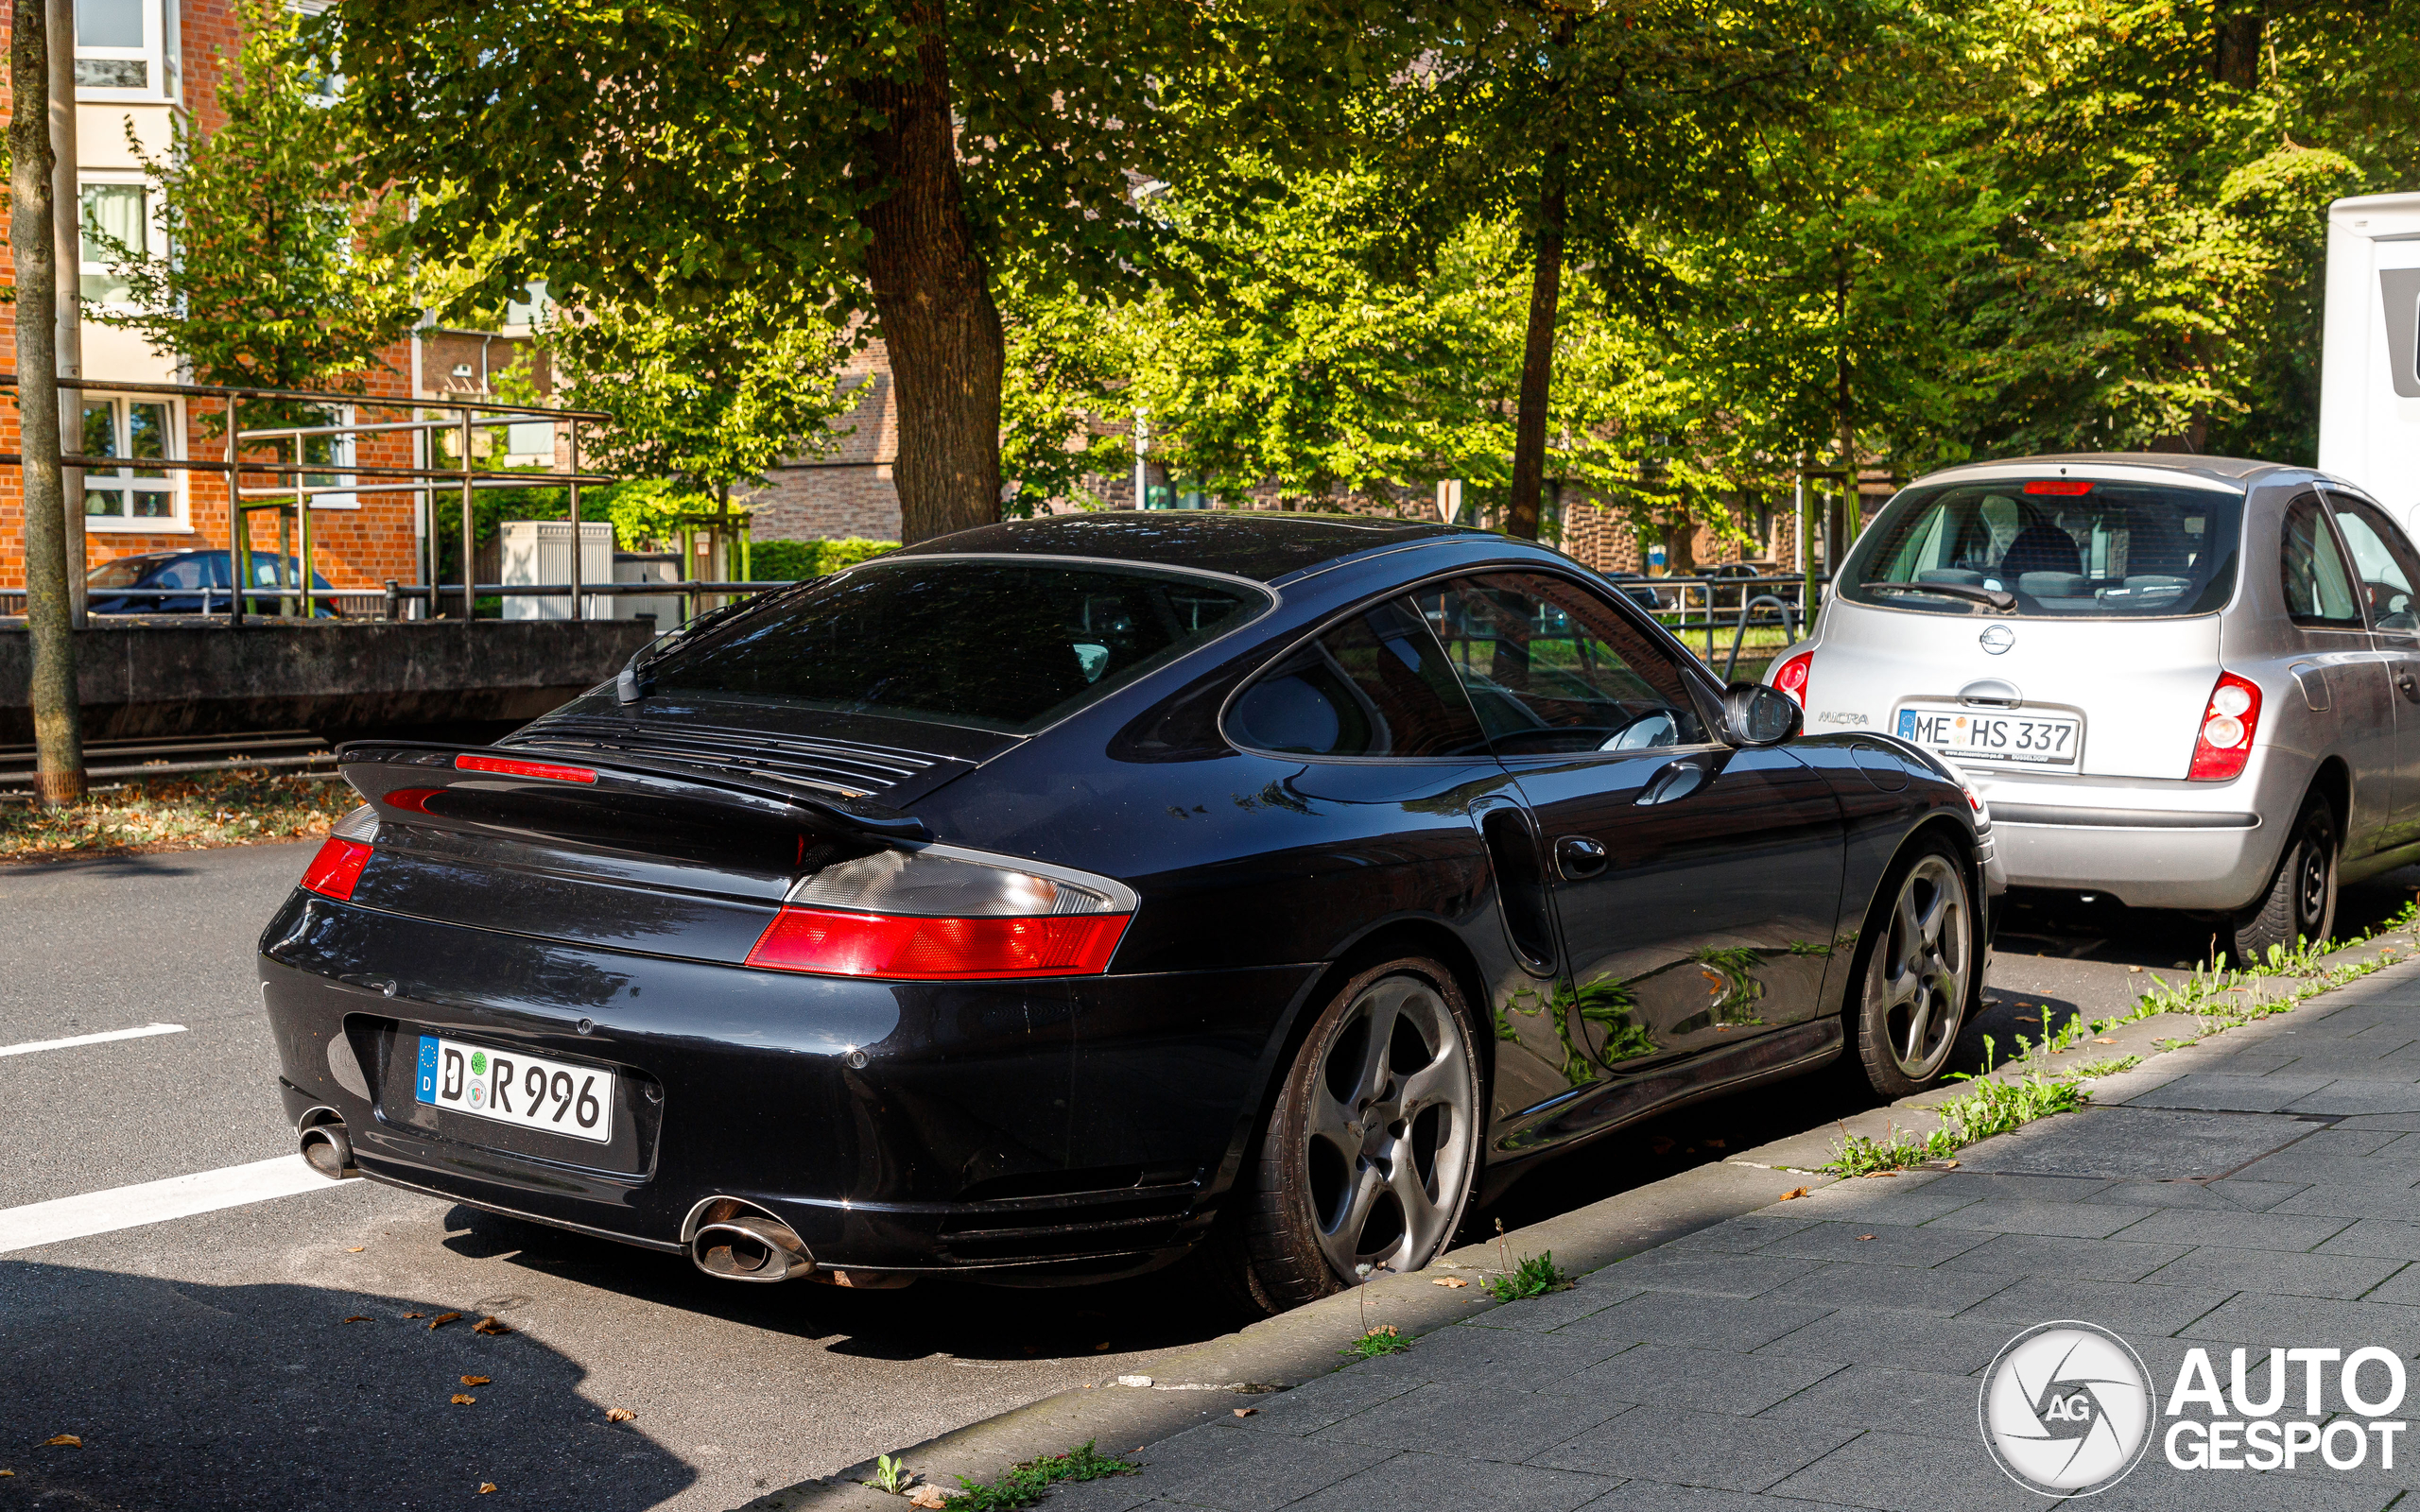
(1791, 676)
(931, 916)
(333, 872)
(2229, 720)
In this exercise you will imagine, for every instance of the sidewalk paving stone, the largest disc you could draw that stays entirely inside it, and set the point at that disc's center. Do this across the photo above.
(1684, 1318)
(1908, 1198)
(1215, 1466)
(2090, 1259)
(2228, 1195)
(2241, 1231)
(1872, 1243)
(1697, 1449)
(1446, 1419)
(1910, 1341)
(2389, 1238)
(1911, 1473)
(1655, 1496)
(1897, 1287)
(1553, 1311)
(2250, 1318)
(2219, 1093)
(1438, 1482)
(2064, 1220)
(2270, 1270)
(1702, 1380)
(2130, 1307)
(2139, 1141)
(1984, 1185)
(1715, 1274)
(1741, 1236)
(2349, 1096)
(1868, 1396)
(2372, 1201)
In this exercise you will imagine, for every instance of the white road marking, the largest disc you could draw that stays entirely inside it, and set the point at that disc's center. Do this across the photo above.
(179, 1196)
(147, 1031)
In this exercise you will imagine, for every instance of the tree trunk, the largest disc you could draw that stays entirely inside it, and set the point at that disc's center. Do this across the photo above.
(2236, 58)
(1846, 519)
(58, 748)
(932, 294)
(1537, 360)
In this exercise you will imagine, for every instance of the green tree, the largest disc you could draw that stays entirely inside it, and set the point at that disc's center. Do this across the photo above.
(877, 156)
(269, 277)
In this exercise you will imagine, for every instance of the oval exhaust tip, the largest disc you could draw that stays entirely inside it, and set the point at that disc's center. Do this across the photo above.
(326, 1150)
(748, 1248)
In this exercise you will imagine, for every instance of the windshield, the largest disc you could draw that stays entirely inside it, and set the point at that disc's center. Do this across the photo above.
(998, 645)
(124, 573)
(2056, 547)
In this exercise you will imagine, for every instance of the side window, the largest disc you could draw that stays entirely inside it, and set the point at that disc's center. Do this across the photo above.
(1376, 685)
(1552, 668)
(2383, 566)
(2319, 591)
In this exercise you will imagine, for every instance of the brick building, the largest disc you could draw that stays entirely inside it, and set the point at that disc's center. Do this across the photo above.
(136, 63)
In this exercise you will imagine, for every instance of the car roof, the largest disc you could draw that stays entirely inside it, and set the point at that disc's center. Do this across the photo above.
(1263, 545)
(2233, 470)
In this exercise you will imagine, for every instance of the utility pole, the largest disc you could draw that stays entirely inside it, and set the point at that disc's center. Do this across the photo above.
(58, 748)
(67, 220)
(1142, 473)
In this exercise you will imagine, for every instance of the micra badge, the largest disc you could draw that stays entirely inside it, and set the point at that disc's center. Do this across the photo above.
(1997, 639)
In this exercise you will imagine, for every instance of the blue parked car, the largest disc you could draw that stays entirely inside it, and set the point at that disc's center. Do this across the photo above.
(204, 572)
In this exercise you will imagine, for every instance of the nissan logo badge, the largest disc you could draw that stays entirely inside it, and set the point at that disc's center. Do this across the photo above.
(1997, 639)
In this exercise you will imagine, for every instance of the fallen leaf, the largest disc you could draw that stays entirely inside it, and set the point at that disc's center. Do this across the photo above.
(1952, 1166)
(63, 1440)
(1716, 1144)
(1862, 1238)
(461, 1399)
(1660, 1145)
(357, 1249)
(2133, 968)
(2024, 1018)
(1102, 1347)
(2104, 1039)
(1792, 1193)
(415, 1315)
(359, 1317)
(442, 1319)
(1454, 1281)
(7, 1473)
(485, 1486)
(1246, 1411)
(491, 1326)
(928, 1497)
(619, 1414)
(477, 1381)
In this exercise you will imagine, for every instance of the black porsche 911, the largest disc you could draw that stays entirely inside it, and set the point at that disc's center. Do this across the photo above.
(1050, 901)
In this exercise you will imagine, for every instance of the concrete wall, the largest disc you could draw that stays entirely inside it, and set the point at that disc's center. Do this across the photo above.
(335, 680)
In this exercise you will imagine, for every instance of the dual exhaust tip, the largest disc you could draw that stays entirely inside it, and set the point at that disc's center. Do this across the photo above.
(326, 1150)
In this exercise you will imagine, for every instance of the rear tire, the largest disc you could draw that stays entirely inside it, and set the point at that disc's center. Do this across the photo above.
(1372, 1153)
(2300, 904)
(1919, 970)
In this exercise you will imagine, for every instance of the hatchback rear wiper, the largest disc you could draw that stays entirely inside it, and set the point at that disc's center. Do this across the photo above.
(1998, 599)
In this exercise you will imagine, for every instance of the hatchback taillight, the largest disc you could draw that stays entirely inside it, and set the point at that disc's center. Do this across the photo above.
(333, 872)
(2229, 720)
(940, 915)
(1791, 676)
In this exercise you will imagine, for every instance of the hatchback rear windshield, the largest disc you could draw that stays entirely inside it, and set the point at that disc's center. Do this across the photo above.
(2062, 547)
(997, 645)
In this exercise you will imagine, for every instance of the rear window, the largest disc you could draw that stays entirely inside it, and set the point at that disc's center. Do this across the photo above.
(2062, 547)
(997, 645)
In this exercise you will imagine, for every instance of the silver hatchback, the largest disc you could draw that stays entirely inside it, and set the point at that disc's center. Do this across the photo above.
(2184, 682)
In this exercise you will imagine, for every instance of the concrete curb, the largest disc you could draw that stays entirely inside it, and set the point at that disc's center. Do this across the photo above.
(1202, 1382)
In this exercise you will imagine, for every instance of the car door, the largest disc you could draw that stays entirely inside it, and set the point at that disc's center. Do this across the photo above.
(2339, 658)
(2385, 571)
(1695, 886)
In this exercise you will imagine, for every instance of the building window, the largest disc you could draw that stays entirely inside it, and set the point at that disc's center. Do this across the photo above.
(135, 429)
(118, 47)
(336, 451)
(115, 216)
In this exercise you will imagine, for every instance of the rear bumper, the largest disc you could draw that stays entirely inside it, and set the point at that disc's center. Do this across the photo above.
(1082, 1126)
(2149, 844)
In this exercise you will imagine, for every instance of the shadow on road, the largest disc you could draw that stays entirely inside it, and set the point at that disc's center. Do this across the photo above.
(189, 1397)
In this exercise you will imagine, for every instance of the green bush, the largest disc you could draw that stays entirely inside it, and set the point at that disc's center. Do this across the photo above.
(782, 562)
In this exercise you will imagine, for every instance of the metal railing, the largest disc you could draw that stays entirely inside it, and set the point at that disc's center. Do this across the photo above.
(1709, 606)
(387, 602)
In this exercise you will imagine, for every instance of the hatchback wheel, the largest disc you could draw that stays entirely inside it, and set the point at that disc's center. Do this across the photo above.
(1919, 976)
(1369, 1157)
(2300, 904)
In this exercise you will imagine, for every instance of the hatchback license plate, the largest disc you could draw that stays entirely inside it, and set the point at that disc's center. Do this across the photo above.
(2034, 740)
(512, 1087)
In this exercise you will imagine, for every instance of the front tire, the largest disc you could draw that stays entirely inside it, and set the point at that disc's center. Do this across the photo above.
(2300, 904)
(1371, 1152)
(1917, 972)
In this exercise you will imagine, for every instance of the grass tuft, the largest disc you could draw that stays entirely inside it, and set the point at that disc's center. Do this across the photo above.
(1024, 1485)
(1380, 1340)
(1535, 1275)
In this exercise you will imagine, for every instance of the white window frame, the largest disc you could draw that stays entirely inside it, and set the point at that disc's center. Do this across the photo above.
(154, 236)
(341, 456)
(121, 479)
(159, 71)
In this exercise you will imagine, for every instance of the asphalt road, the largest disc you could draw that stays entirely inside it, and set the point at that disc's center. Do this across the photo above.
(209, 1362)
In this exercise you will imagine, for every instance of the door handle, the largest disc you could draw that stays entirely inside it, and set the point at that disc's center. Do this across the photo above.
(1676, 780)
(1577, 856)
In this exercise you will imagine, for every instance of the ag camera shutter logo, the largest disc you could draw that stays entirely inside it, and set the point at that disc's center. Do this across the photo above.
(2067, 1409)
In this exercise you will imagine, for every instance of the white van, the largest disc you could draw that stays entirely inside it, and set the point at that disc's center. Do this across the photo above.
(2369, 377)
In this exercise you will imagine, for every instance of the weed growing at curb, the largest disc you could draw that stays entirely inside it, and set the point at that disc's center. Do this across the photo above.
(1024, 1485)
(1380, 1340)
(1534, 1276)
(1990, 1106)
(890, 1475)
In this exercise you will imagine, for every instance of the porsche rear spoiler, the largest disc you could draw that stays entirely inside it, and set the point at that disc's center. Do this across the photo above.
(380, 770)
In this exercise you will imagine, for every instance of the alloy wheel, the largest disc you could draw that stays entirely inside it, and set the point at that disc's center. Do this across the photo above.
(2316, 860)
(1389, 1129)
(1921, 967)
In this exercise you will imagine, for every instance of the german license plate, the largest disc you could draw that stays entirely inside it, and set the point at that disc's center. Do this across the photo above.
(512, 1087)
(2037, 740)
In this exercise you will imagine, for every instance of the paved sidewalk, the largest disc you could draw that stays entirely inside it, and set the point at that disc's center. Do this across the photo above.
(2256, 1190)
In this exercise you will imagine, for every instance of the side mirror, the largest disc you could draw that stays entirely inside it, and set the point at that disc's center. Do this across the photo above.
(1754, 714)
